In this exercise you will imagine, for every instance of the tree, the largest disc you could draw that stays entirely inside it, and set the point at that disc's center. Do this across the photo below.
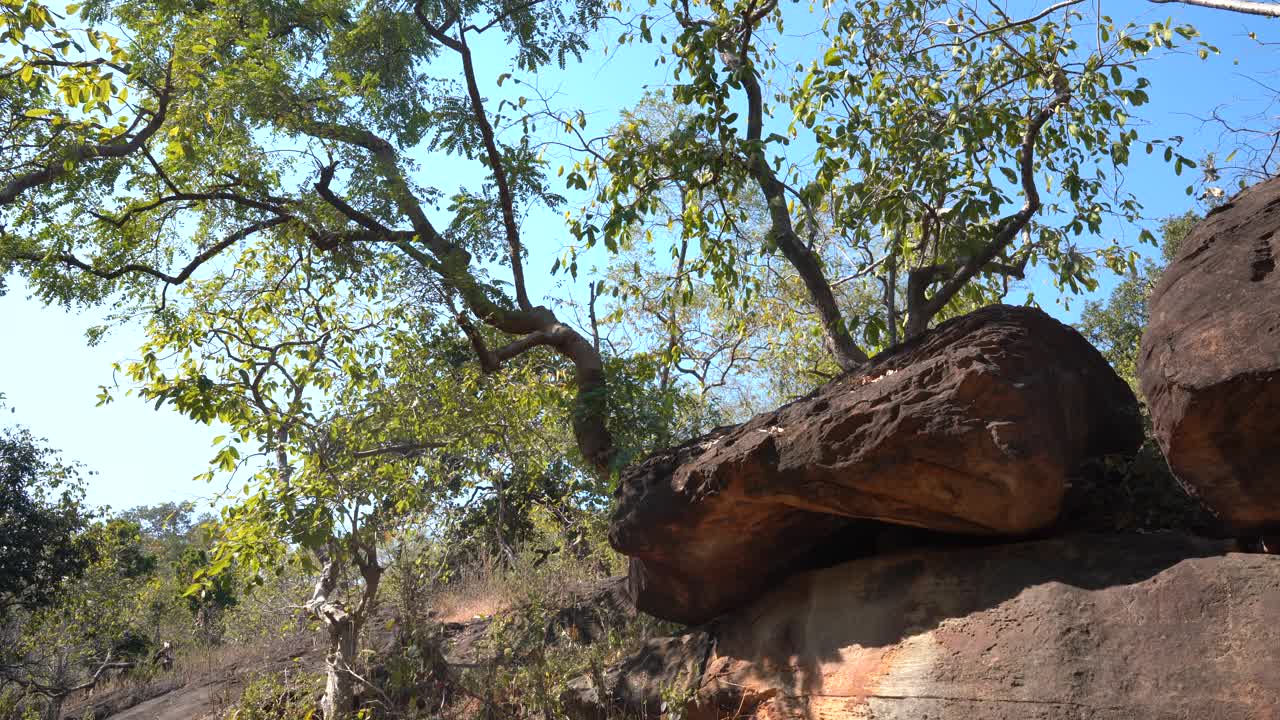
(926, 119)
(191, 115)
(1116, 326)
(351, 416)
(43, 521)
(216, 133)
(89, 629)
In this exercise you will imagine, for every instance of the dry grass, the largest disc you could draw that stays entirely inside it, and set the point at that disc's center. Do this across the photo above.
(483, 591)
(227, 664)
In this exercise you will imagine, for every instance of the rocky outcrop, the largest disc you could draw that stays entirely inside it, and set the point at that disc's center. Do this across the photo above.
(1210, 363)
(1129, 627)
(973, 428)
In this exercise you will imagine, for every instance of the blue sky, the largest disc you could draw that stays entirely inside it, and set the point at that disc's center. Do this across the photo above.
(50, 377)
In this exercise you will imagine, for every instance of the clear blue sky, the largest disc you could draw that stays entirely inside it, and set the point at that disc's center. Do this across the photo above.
(50, 377)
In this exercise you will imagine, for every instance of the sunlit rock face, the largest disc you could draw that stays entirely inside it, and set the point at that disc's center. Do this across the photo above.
(974, 428)
(1119, 627)
(1210, 363)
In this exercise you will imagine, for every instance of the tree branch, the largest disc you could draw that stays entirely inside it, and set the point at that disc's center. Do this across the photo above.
(409, 449)
(181, 277)
(536, 325)
(496, 166)
(1249, 7)
(920, 311)
(78, 153)
(807, 265)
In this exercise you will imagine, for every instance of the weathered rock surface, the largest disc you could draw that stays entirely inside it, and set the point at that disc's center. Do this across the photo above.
(973, 428)
(1090, 627)
(1210, 363)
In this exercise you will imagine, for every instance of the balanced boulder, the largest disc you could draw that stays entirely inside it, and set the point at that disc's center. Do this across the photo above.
(1210, 363)
(1122, 627)
(974, 428)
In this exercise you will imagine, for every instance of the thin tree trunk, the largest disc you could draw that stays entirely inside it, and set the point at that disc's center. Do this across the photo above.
(53, 709)
(339, 694)
(891, 296)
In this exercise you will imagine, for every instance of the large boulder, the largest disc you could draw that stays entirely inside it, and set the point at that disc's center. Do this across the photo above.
(1090, 627)
(972, 428)
(1210, 363)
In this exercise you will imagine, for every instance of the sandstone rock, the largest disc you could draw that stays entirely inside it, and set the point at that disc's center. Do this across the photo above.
(1210, 363)
(972, 428)
(1137, 627)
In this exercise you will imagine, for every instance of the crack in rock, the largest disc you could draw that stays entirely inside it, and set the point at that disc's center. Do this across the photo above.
(1264, 261)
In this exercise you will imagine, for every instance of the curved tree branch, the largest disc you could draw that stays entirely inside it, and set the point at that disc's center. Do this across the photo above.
(182, 275)
(1249, 7)
(807, 265)
(921, 310)
(536, 325)
(57, 168)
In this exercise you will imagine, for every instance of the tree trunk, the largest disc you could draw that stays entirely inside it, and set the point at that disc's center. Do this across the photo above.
(891, 296)
(344, 631)
(53, 709)
(339, 686)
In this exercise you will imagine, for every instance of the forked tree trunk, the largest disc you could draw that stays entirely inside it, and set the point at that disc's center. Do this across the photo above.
(339, 685)
(344, 629)
(344, 632)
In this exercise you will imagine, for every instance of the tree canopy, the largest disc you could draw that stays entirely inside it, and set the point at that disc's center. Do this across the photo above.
(151, 146)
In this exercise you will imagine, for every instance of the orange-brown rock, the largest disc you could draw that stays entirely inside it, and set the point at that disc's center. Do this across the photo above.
(1137, 627)
(972, 428)
(1210, 363)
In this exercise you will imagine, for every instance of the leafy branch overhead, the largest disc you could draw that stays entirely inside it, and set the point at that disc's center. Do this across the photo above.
(923, 154)
(933, 151)
(205, 174)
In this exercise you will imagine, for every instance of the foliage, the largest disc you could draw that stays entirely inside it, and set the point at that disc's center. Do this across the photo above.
(289, 695)
(267, 608)
(247, 136)
(93, 626)
(253, 134)
(43, 522)
(915, 133)
(1115, 327)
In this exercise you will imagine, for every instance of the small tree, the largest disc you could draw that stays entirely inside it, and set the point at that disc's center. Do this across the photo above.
(351, 416)
(1116, 326)
(89, 630)
(43, 521)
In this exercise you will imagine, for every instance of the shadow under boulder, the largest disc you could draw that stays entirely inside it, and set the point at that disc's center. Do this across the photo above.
(973, 428)
(1106, 627)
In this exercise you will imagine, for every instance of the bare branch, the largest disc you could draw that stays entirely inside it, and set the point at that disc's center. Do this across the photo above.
(496, 165)
(1249, 7)
(402, 449)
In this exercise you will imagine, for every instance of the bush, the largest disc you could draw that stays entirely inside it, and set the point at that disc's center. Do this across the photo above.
(289, 695)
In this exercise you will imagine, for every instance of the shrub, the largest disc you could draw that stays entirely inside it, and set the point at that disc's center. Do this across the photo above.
(288, 695)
